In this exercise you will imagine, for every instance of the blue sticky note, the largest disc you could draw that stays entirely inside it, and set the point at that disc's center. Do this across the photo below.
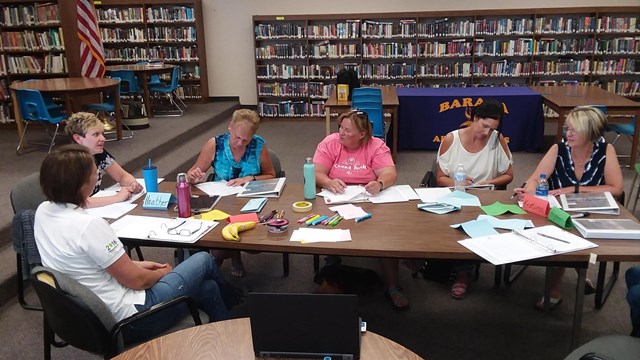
(476, 228)
(156, 201)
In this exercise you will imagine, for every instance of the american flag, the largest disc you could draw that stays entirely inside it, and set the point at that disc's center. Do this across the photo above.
(91, 50)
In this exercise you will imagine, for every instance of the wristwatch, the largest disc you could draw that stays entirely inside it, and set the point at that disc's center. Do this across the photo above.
(253, 178)
(576, 188)
(381, 185)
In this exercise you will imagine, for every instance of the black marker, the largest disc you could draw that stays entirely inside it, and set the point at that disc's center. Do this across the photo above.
(515, 193)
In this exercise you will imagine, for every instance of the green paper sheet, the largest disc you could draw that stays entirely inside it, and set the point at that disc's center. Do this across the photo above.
(498, 208)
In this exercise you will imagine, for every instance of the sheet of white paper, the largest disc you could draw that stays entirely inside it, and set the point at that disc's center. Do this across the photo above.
(389, 195)
(112, 211)
(431, 195)
(408, 192)
(348, 211)
(311, 235)
(112, 190)
(219, 188)
(351, 192)
(155, 228)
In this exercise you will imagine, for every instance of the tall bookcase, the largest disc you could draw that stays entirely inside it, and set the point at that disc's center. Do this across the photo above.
(297, 57)
(31, 45)
(167, 30)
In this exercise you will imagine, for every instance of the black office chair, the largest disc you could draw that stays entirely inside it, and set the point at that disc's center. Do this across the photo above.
(25, 195)
(79, 317)
(609, 347)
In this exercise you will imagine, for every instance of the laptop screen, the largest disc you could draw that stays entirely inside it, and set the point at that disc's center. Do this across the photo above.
(305, 325)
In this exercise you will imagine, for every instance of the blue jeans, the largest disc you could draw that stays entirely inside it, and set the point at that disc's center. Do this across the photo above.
(197, 277)
(632, 277)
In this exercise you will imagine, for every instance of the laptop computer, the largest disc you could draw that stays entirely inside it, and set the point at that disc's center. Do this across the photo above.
(305, 325)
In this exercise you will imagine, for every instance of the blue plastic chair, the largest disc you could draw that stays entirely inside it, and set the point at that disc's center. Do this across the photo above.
(376, 117)
(153, 79)
(109, 107)
(51, 105)
(34, 109)
(369, 100)
(366, 91)
(128, 82)
(170, 90)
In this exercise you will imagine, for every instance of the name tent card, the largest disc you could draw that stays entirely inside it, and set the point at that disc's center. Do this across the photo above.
(561, 218)
(157, 201)
(536, 205)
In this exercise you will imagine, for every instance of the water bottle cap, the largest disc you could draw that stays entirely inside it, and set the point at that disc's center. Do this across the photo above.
(543, 176)
(309, 160)
(181, 177)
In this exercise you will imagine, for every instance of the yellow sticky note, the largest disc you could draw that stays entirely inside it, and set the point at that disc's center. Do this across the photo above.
(213, 215)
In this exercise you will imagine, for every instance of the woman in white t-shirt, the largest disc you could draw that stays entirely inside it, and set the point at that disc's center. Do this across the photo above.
(486, 158)
(87, 249)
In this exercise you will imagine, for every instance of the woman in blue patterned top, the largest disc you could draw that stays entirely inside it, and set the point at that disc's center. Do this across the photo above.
(582, 163)
(238, 156)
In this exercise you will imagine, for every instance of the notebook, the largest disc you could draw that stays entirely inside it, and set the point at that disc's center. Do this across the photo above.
(305, 325)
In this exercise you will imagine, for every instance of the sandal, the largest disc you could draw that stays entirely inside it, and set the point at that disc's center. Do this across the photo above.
(412, 266)
(237, 268)
(398, 300)
(459, 290)
(589, 288)
(553, 303)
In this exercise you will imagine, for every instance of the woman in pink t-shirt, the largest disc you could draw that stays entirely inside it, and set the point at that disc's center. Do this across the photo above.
(353, 156)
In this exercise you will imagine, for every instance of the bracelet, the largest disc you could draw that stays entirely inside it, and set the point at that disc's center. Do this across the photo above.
(381, 185)
(576, 189)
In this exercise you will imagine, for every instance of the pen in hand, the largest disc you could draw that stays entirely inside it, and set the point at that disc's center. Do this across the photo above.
(515, 193)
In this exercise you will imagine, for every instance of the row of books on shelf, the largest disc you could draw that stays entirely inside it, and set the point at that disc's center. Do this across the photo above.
(292, 71)
(33, 14)
(296, 89)
(30, 40)
(327, 50)
(5, 114)
(4, 91)
(384, 29)
(120, 15)
(170, 14)
(141, 53)
(183, 33)
(343, 30)
(389, 50)
(522, 26)
(387, 71)
(519, 47)
(625, 88)
(122, 35)
(189, 92)
(446, 27)
(48, 63)
(289, 109)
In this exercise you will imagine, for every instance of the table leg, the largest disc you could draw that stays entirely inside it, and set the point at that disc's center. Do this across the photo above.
(394, 127)
(18, 116)
(577, 314)
(562, 113)
(327, 114)
(118, 112)
(145, 95)
(634, 143)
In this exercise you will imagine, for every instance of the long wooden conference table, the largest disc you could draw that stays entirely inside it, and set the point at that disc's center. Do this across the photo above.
(397, 230)
(231, 339)
(562, 99)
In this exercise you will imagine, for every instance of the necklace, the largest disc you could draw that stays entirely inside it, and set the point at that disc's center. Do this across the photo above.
(578, 159)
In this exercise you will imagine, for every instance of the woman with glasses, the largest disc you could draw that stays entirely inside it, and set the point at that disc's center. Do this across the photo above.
(87, 249)
(354, 156)
(237, 156)
(581, 163)
(486, 158)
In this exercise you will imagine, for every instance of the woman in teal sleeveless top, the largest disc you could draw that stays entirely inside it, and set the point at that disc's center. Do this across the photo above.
(238, 156)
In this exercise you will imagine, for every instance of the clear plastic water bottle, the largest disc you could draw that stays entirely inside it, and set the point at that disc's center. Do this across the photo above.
(183, 193)
(542, 188)
(309, 172)
(459, 178)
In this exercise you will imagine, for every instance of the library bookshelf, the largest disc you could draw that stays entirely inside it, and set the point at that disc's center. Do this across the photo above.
(171, 31)
(38, 39)
(32, 46)
(297, 56)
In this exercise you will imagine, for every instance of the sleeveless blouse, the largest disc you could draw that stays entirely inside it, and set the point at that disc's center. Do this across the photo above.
(564, 173)
(224, 165)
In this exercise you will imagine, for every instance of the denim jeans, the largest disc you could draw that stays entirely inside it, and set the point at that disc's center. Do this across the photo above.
(632, 277)
(197, 277)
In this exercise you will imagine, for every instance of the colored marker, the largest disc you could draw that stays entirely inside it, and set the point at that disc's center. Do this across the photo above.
(363, 217)
(308, 222)
(336, 221)
(329, 220)
(300, 221)
(318, 220)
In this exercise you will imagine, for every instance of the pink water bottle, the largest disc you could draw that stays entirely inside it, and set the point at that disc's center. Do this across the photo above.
(183, 193)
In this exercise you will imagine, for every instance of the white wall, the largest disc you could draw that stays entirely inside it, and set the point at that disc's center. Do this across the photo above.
(229, 30)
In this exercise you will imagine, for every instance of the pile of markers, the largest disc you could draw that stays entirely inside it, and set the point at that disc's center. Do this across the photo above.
(315, 219)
